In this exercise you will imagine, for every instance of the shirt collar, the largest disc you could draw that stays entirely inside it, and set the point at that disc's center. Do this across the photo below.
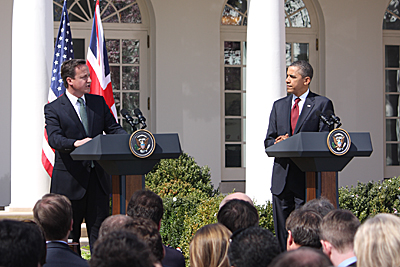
(302, 97)
(73, 98)
(348, 262)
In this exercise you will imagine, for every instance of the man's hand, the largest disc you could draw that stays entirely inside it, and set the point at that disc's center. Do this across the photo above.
(281, 138)
(78, 143)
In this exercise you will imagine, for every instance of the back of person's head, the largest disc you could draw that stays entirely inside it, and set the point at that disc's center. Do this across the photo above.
(304, 227)
(305, 68)
(113, 223)
(21, 244)
(237, 214)
(53, 213)
(236, 195)
(145, 204)
(302, 257)
(320, 205)
(121, 249)
(147, 230)
(339, 227)
(253, 246)
(377, 242)
(209, 246)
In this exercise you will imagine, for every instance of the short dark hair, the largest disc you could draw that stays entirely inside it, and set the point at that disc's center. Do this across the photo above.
(302, 257)
(121, 248)
(254, 246)
(146, 204)
(304, 226)
(305, 68)
(339, 227)
(68, 69)
(21, 244)
(113, 223)
(237, 214)
(53, 213)
(147, 230)
(320, 205)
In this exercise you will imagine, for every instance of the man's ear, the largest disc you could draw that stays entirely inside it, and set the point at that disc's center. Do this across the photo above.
(326, 247)
(72, 223)
(307, 80)
(289, 240)
(69, 80)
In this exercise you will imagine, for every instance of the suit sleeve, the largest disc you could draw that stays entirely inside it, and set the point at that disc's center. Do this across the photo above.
(328, 106)
(55, 134)
(272, 132)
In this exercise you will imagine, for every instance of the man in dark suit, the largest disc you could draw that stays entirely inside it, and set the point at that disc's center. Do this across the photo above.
(53, 213)
(290, 115)
(71, 121)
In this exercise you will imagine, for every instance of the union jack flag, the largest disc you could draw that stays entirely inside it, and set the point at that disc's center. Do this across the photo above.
(97, 61)
(63, 50)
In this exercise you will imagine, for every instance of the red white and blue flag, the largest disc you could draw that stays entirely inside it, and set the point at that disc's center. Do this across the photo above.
(63, 50)
(97, 61)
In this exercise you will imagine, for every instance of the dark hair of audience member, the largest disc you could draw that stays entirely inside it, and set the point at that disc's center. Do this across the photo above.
(147, 230)
(53, 213)
(145, 204)
(320, 205)
(237, 214)
(304, 226)
(121, 249)
(209, 246)
(113, 223)
(302, 257)
(253, 246)
(339, 227)
(22, 244)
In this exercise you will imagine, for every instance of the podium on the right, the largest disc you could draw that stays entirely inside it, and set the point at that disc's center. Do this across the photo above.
(310, 151)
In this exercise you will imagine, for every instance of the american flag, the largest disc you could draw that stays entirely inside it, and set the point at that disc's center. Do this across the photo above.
(97, 61)
(63, 50)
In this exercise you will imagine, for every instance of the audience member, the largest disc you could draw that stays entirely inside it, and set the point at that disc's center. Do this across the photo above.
(237, 214)
(121, 249)
(337, 232)
(254, 246)
(320, 205)
(303, 229)
(114, 222)
(147, 230)
(236, 195)
(53, 213)
(209, 246)
(302, 257)
(21, 244)
(147, 204)
(377, 242)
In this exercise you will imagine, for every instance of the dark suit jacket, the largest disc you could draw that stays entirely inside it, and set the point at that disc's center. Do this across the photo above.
(279, 124)
(60, 255)
(173, 258)
(63, 126)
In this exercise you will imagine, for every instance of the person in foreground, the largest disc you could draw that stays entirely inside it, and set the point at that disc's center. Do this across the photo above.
(302, 257)
(290, 115)
(53, 213)
(72, 120)
(337, 232)
(377, 242)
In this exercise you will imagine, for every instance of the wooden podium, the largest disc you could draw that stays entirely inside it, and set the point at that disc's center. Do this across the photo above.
(309, 151)
(112, 152)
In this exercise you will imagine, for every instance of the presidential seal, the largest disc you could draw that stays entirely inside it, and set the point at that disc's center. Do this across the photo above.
(339, 142)
(142, 143)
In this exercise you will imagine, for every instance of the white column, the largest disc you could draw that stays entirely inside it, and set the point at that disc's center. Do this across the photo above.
(32, 54)
(265, 84)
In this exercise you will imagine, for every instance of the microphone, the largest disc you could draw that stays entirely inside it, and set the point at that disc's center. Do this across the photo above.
(128, 118)
(140, 117)
(323, 118)
(334, 118)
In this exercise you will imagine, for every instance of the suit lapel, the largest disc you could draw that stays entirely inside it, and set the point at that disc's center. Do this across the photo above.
(90, 112)
(71, 113)
(287, 110)
(305, 112)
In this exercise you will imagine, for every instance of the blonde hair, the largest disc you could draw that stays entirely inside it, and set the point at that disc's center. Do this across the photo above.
(209, 246)
(377, 242)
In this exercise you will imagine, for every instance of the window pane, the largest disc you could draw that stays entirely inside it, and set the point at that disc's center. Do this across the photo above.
(392, 56)
(232, 78)
(79, 48)
(392, 154)
(233, 156)
(300, 51)
(130, 78)
(115, 77)
(131, 15)
(130, 101)
(117, 99)
(244, 53)
(288, 54)
(121, 3)
(301, 19)
(232, 104)
(233, 130)
(392, 105)
(291, 6)
(113, 50)
(230, 16)
(240, 5)
(390, 22)
(392, 80)
(232, 53)
(130, 51)
(392, 130)
(57, 11)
